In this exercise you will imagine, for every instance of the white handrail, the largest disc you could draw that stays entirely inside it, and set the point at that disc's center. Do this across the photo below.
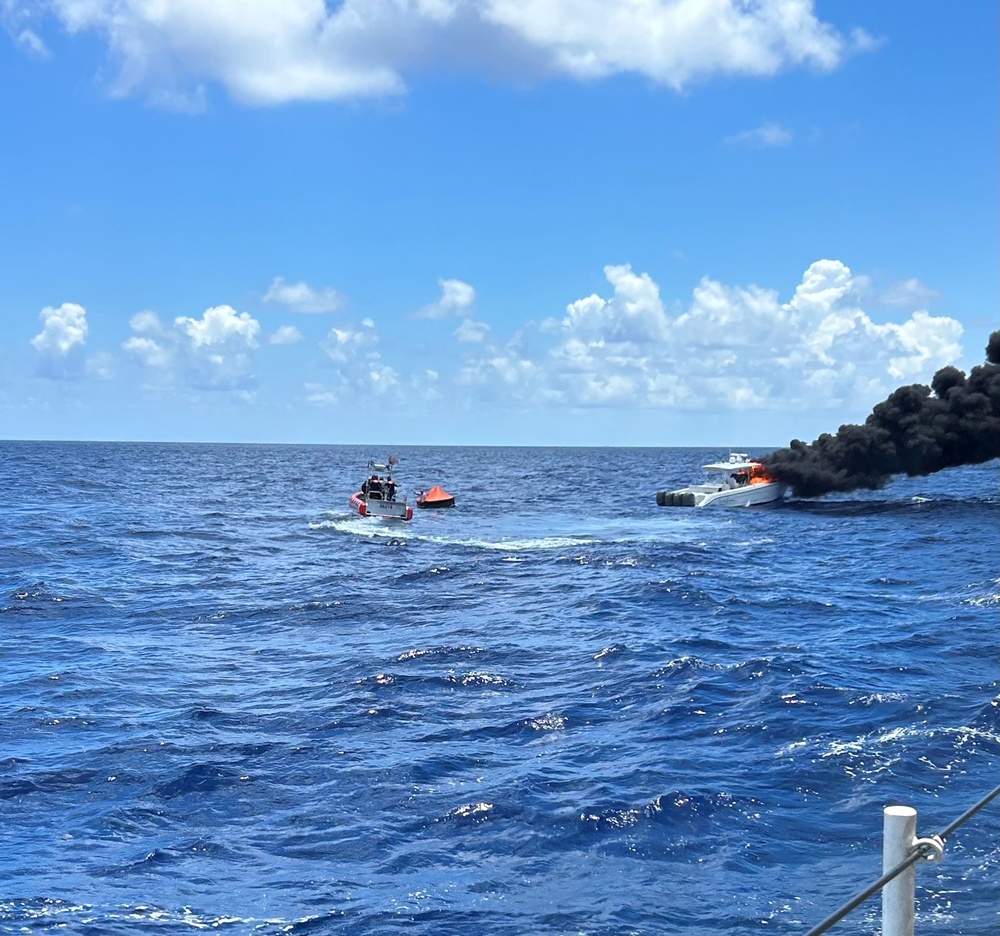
(900, 842)
(899, 832)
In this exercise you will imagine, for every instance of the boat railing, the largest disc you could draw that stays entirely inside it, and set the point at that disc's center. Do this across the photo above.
(901, 851)
(381, 489)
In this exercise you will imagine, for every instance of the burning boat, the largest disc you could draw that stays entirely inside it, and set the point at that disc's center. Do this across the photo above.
(740, 482)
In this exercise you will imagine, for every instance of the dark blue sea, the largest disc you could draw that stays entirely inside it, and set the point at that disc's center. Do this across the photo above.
(228, 704)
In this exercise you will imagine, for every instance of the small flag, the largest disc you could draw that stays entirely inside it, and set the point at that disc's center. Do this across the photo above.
(393, 460)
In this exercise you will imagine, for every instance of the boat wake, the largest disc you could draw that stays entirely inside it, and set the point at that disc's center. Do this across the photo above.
(356, 526)
(528, 544)
(368, 527)
(614, 533)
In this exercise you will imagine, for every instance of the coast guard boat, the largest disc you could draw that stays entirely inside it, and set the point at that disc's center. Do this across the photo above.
(377, 496)
(740, 482)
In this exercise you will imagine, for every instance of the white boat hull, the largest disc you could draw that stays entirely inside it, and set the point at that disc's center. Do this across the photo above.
(382, 509)
(718, 495)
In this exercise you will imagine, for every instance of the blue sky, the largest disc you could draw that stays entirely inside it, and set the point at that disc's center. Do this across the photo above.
(501, 222)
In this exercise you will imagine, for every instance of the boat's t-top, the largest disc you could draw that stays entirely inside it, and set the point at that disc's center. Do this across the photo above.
(376, 487)
(738, 461)
(742, 469)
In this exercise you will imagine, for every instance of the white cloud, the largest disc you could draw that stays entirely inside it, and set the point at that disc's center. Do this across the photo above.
(16, 18)
(634, 314)
(345, 345)
(318, 395)
(147, 351)
(824, 285)
(263, 52)
(30, 41)
(674, 42)
(920, 345)
(353, 352)
(274, 51)
(383, 378)
(63, 335)
(730, 316)
(146, 322)
(300, 297)
(908, 293)
(216, 355)
(731, 348)
(766, 136)
(470, 332)
(456, 301)
(63, 329)
(212, 352)
(863, 41)
(728, 348)
(286, 334)
(219, 325)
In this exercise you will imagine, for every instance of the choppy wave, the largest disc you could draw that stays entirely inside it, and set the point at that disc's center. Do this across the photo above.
(231, 705)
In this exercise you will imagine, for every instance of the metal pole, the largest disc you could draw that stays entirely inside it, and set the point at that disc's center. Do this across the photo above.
(899, 832)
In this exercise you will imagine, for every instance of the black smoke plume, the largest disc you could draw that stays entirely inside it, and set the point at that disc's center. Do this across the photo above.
(918, 430)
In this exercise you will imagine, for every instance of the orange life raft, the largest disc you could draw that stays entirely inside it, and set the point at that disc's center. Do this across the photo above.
(435, 497)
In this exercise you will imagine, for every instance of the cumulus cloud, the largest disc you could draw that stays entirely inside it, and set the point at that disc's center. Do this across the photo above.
(811, 342)
(634, 315)
(470, 332)
(672, 41)
(920, 345)
(147, 351)
(275, 51)
(146, 322)
(732, 347)
(63, 335)
(347, 344)
(219, 325)
(151, 343)
(212, 352)
(766, 136)
(353, 353)
(456, 300)
(63, 329)
(300, 297)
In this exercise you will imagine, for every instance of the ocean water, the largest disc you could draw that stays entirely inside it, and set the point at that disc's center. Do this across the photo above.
(228, 704)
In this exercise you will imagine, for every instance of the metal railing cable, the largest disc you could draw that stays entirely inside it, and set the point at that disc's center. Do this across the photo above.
(920, 850)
